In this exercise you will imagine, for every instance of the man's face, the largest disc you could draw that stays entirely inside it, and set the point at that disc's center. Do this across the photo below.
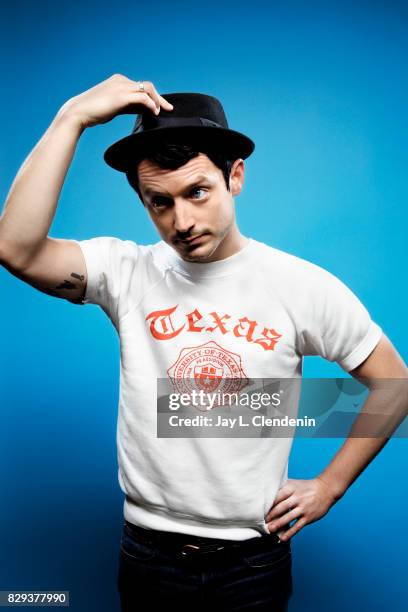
(192, 202)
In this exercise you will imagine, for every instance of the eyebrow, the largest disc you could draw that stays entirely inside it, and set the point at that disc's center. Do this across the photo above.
(197, 181)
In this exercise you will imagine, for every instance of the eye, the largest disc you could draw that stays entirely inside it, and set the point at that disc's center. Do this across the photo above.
(195, 189)
(158, 203)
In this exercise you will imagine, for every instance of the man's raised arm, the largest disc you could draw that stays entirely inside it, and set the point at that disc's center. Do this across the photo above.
(56, 266)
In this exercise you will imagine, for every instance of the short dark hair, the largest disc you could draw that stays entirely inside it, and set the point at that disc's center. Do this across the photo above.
(172, 155)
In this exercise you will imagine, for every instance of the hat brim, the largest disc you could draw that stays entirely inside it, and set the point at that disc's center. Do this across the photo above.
(232, 144)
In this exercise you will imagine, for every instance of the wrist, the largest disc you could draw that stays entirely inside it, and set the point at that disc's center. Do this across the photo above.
(68, 115)
(334, 485)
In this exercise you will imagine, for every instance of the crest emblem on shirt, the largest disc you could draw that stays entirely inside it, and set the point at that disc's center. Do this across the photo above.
(208, 367)
(208, 376)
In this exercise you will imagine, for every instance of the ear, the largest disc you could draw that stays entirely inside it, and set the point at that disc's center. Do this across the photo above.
(236, 180)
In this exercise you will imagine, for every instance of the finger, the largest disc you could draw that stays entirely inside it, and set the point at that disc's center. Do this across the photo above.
(283, 494)
(280, 508)
(159, 99)
(165, 103)
(154, 94)
(152, 91)
(142, 98)
(300, 523)
(148, 88)
(291, 515)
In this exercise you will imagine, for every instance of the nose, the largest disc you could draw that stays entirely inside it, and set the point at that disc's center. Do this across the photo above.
(183, 220)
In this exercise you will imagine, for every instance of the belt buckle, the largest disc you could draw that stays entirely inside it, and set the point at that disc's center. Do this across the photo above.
(194, 549)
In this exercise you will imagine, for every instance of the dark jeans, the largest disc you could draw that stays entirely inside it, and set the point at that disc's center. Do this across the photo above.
(156, 567)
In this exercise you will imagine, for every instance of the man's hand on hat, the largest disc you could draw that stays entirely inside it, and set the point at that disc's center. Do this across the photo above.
(304, 501)
(117, 95)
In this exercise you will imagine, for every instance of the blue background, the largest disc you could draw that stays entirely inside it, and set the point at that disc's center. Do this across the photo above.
(322, 90)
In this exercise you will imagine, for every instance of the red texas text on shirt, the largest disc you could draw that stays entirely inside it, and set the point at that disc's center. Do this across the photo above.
(162, 327)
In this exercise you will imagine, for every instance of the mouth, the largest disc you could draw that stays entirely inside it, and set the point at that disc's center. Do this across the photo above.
(193, 240)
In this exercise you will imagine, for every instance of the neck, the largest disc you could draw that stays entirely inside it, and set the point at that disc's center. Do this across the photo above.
(231, 244)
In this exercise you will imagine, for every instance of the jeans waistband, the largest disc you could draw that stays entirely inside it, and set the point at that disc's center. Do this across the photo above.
(191, 544)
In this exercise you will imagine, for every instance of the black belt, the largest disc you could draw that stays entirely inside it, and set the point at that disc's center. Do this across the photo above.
(191, 545)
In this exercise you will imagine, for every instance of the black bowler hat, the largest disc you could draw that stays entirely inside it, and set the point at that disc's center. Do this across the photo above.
(196, 119)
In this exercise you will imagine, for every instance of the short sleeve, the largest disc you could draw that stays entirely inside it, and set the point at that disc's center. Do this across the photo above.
(112, 267)
(337, 325)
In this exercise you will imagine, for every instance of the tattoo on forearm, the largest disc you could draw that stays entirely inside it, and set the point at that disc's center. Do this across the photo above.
(78, 276)
(67, 284)
(51, 292)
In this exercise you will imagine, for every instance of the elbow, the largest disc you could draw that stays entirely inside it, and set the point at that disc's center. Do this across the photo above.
(2, 254)
(11, 258)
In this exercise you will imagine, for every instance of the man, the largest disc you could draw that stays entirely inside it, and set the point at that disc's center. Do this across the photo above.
(207, 520)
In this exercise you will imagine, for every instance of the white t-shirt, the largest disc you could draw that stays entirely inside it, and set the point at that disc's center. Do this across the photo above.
(263, 309)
